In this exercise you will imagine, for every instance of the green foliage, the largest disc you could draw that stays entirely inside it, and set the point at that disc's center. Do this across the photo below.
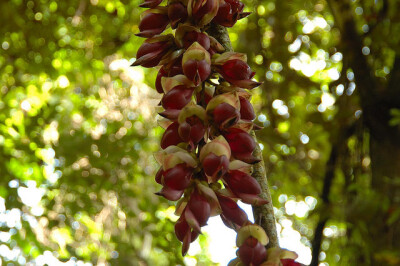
(395, 117)
(77, 131)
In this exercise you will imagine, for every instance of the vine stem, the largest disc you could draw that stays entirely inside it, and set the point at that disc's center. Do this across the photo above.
(263, 215)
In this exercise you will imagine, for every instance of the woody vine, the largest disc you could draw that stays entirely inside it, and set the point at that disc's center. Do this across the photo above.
(207, 149)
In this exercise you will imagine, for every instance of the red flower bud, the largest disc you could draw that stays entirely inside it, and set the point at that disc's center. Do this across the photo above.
(168, 71)
(153, 50)
(171, 136)
(232, 215)
(251, 252)
(241, 182)
(203, 11)
(215, 166)
(196, 63)
(197, 71)
(244, 186)
(185, 234)
(192, 130)
(246, 109)
(219, 146)
(238, 73)
(177, 97)
(178, 177)
(175, 175)
(186, 35)
(237, 70)
(234, 69)
(153, 22)
(177, 13)
(173, 155)
(150, 3)
(181, 228)
(200, 208)
(242, 145)
(192, 124)
(224, 109)
(225, 115)
(229, 12)
(170, 194)
(194, 36)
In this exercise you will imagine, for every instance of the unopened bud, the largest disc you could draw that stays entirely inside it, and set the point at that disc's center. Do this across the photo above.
(153, 50)
(245, 187)
(177, 13)
(203, 11)
(153, 22)
(177, 98)
(252, 252)
(196, 63)
(229, 12)
(242, 145)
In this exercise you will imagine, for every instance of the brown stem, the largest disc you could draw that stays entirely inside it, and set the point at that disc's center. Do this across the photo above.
(263, 215)
(338, 146)
(329, 175)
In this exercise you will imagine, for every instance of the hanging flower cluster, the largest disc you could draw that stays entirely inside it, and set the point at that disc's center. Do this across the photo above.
(207, 151)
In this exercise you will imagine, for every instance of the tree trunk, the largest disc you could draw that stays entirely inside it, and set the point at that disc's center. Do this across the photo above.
(385, 166)
(382, 212)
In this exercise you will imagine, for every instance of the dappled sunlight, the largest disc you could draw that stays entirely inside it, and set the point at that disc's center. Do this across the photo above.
(127, 105)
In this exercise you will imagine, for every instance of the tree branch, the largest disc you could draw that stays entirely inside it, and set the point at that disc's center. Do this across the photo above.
(328, 178)
(263, 215)
(337, 146)
(352, 45)
(393, 87)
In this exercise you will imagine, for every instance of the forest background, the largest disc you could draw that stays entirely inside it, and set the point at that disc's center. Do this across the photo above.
(78, 130)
